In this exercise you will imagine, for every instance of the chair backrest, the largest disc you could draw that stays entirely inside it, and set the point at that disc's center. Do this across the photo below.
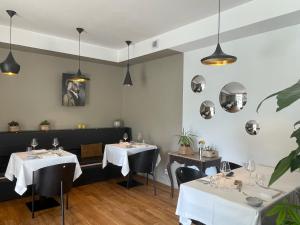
(47, 180)
(143, 162)
(234, 166)
(186, 174)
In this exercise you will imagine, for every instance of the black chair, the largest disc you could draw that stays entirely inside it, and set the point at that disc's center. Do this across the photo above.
(52, 181)
(186, 174)
(234, 166)
(143, 162)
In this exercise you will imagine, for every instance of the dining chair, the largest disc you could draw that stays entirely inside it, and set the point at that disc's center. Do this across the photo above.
(55, 180)
(143, 162)
(234, 165)
(186, 174)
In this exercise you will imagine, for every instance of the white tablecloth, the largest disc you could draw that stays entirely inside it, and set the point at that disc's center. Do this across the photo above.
(223, 206)
(21, 167)
(117, 154)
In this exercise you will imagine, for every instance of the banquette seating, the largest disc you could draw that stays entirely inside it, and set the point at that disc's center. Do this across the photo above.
(70, 140)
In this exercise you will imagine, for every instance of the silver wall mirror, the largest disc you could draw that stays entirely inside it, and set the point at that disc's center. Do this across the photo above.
(198, 84)
(252, 127)
(207, 109)
(233, 97)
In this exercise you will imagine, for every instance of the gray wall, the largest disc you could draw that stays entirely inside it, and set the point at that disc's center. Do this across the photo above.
(153, 106)
(35, 94)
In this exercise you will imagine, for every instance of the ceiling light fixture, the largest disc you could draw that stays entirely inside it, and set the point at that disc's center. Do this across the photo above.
(9, 66)
(79, 77)
(218, 58)
(127, 80)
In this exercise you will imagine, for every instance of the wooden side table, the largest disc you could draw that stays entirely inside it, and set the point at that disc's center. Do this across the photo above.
(190, 160)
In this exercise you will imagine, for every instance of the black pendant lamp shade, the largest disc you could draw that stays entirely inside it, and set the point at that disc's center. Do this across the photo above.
(218, 58)
(9, 66)
(79, 77)
(127, 80)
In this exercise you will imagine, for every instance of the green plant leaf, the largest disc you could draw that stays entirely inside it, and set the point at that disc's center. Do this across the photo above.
(275, 210)
(283, 166)
(285, 97)
(294, 215)
(295, 164)
(297, 123)
(281, 217)
(296, 134)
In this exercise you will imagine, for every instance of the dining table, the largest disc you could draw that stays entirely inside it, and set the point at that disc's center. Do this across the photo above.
(218, 200)
(117, 154)
(22, 164)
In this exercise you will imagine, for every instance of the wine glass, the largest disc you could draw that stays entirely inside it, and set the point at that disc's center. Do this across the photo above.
(139, 137)
(250, 167)
(55, 143)
(225, 168)
(34, 143)
(125, 137)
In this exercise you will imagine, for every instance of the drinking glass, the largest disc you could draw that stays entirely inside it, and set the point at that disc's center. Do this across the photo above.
(125, 137)
(55, 143)
(250, 167)
(34, 143)
(261, 180)
(139, 137)
(225, 168)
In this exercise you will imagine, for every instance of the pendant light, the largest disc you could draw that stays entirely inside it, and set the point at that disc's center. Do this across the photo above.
(127, 80)
(9, 66)
(218, 58)
(79, 77)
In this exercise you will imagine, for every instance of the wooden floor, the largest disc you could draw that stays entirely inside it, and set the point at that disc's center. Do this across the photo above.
(102, 203)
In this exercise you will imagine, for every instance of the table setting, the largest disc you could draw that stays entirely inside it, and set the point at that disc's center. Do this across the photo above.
(118, 153)
(22, 164)
(218, 199)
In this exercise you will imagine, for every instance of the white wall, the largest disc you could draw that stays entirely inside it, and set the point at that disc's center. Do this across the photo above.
(153, 105)
(266, 63)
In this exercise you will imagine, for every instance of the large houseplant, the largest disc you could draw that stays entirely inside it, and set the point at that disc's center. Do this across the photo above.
(288, 214)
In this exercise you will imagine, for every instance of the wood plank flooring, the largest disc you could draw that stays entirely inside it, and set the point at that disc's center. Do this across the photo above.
(102, 203)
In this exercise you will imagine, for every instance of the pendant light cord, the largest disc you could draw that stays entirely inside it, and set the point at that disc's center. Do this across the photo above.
(219, 21)
(79, 51)
(128, 58)
(10, 25)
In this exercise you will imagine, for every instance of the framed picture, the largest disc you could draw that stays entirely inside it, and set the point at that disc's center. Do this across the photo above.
(73, 93)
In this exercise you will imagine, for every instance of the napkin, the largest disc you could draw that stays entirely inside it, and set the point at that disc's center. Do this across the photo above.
(265, 194)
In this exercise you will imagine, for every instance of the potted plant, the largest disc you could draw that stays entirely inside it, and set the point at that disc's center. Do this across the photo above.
(45, 125)
(13, 126)
(186, 142)
(287, 213)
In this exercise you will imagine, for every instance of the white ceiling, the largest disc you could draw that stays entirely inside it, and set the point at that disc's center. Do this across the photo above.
(109, 22)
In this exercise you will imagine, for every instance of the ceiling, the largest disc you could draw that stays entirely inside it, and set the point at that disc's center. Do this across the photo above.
(109, 22)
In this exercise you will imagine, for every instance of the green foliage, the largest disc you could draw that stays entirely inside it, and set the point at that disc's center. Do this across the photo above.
(13, 124)
(287, 214)
(285, 97)
(45, 122)
(186, 138)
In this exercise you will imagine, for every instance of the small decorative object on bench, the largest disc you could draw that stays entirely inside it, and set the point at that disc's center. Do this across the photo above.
(210, 153)
(45, 125)
(118, 123)
(186, 141)
(13, 126)
(81, 126)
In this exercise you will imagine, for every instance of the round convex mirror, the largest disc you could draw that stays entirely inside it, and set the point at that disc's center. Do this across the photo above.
(252, 127)
(198, 84)
(207, 109)
(233, 97)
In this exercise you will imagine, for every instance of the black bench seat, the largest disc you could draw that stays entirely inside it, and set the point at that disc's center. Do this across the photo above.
(71, 140)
